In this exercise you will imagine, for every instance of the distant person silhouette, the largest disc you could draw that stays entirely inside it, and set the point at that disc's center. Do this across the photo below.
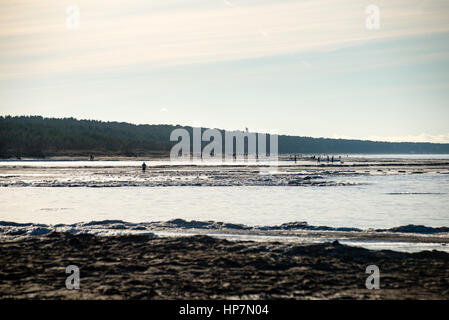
(91, 157)
(144, 167)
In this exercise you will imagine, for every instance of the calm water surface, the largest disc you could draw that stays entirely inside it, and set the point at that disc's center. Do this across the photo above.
(382, 202)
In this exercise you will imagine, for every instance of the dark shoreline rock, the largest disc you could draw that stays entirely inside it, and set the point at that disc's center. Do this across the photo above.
(202, 267)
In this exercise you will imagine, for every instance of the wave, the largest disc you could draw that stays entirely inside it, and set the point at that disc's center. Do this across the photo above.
(119, 227)
(414, 193)
(411, 228)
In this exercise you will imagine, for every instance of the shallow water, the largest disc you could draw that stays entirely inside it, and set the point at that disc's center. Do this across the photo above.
(284, 160)
(366, 193)
(382, 201)
(130, 163)
(401, 156)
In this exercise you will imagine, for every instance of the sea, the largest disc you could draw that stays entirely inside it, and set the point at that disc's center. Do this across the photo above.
(362, 202)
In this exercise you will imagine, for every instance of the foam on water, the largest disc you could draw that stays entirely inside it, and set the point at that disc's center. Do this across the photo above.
(180, 227)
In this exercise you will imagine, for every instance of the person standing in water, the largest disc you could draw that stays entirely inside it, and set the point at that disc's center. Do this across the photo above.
(144, 167)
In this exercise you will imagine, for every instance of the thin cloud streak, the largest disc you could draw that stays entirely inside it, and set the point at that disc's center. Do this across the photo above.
(424, 137)
(34, 40)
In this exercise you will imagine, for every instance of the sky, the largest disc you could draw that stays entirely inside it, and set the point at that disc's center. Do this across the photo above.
(299, 67)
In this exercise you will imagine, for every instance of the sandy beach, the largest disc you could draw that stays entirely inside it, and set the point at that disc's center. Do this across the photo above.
(201, 267)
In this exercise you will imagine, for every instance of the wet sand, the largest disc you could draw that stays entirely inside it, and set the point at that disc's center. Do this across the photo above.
(201, 267)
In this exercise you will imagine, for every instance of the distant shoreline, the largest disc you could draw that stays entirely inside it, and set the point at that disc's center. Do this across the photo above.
(35, 136)
(166, 156)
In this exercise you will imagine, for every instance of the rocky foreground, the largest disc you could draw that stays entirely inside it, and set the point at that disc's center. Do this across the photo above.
(201, 267)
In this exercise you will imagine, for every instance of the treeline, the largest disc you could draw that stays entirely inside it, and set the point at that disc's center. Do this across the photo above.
(291, 144)
(35, 136)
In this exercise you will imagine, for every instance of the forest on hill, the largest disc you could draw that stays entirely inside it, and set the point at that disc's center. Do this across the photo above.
(35, 136)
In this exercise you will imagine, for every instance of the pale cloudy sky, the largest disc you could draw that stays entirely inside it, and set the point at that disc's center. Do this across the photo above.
(303, 67)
